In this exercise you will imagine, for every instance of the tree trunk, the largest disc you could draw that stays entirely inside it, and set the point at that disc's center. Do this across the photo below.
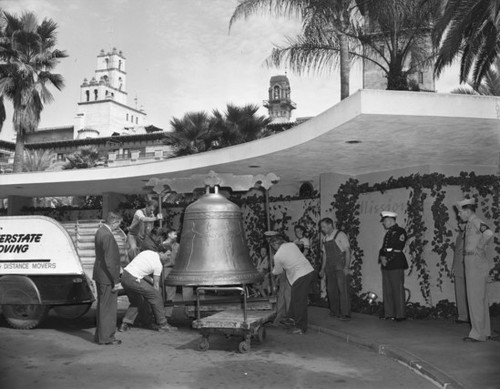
(19, 153)
(345, 67)
(397, 79)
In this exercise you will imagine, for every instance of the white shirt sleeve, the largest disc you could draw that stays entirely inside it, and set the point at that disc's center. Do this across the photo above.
(278, 267)
(342, 241)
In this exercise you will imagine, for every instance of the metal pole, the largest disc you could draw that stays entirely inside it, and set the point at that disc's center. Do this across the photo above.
(268, 221)
(160, 198)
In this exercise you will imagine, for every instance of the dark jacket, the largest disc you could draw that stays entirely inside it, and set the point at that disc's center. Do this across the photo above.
(392, 248)
(107, 258)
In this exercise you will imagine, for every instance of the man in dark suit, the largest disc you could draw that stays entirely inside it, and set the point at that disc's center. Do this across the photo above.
(106, 276)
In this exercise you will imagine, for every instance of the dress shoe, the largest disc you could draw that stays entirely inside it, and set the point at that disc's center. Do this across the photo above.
(399, 319)
(165, 328)
(114, 342)
(295, 331)
(333, 314)
(345, 318)
(469, 339)
(458, 321)
(386, 318)
(124, 327)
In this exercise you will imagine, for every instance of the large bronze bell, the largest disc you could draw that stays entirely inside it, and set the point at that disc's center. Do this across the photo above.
(213, 248)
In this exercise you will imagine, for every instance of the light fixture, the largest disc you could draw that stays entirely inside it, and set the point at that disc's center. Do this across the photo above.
(372, 297)
(254, 166)
(353, 141)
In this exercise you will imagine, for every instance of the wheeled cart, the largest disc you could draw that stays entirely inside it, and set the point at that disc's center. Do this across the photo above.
(233, 322)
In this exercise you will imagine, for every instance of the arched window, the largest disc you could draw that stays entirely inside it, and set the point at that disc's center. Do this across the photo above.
(120, 64)
(136, 120)
(121, 83)
(132, 118)
(276, 92)
(420, 77)
(107, 92)
(87, 94)
(107, 62)
(112, 95)
(127, 117)
(95, 94)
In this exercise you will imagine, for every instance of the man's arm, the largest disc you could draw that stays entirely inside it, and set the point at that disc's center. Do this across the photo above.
(323, 262)
(486, 233)
(111, 256)
(156, 282)
(347, 259)
(277, 268)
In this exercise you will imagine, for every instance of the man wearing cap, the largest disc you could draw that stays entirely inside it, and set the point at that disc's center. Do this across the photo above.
(393, 263)
(477, 267)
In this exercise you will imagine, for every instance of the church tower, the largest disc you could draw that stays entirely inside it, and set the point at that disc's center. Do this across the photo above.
(279, 105)
(103, 108)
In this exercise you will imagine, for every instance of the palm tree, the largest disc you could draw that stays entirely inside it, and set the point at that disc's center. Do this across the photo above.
(193, 133)
(38, 160)
(27, 57)
(395, 35)
(325, 38)
(470, 29)
(392, 34)
(489, 86)
(84, 158)
(238, 124)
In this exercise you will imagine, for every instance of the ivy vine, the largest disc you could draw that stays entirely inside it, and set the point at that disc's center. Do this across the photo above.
(482, 188)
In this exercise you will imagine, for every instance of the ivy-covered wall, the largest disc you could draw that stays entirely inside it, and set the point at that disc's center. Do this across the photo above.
(424, 203)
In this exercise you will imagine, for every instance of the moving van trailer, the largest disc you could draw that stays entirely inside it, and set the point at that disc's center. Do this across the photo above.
(41, 269)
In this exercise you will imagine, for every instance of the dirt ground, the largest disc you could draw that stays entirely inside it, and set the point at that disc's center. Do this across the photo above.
(61, 354)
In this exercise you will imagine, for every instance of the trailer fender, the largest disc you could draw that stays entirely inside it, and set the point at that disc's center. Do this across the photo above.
(16, 289)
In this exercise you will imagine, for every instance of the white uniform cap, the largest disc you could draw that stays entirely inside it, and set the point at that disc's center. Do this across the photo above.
(271, 233)
(385, 214)
(463, 203)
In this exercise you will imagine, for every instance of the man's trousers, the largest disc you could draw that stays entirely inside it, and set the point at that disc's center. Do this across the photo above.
(107, 306)
(393, 292)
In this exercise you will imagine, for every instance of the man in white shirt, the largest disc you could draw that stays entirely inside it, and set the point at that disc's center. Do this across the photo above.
(141, 225)
(139, 286)
(300, 274)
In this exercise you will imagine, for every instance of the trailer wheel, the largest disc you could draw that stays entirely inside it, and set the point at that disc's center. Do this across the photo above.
(71, 311)
(244, 346)
(24, 316)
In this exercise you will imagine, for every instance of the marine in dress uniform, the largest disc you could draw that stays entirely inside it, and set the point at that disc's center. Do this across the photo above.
(393, 264)
(477, 268)
(106, 275)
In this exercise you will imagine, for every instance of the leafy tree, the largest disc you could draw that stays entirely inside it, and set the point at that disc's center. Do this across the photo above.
(468, 29)
(84, 158)
(489, 86)
(27, 57)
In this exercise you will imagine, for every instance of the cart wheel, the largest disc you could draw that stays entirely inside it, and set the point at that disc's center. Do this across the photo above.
(244, 346)
(261, 334)
(24, 316)
(203, 345)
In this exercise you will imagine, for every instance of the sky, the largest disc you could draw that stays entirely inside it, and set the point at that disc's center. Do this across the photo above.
(180, 57)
